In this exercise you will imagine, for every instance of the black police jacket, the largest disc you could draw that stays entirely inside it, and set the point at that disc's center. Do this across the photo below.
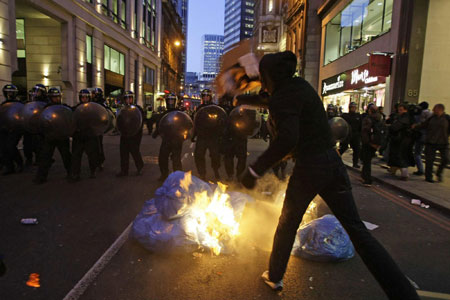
(300, 124)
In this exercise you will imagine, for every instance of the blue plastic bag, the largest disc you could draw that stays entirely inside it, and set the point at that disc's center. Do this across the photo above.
(160, 226)
(323, 240)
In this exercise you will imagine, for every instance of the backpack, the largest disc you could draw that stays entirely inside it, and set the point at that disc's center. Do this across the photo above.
(378, 133)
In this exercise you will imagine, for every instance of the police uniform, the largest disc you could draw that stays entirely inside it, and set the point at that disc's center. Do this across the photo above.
(130, 145)
(302, 129)
(47, 151)
(207, 141)
(9, 139)
(354, 119)
(98, 98)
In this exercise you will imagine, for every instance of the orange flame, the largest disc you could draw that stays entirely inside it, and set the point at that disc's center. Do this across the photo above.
(33, 281)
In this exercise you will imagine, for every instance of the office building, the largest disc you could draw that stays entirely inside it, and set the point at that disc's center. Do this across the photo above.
(239, 19)
(212, 50)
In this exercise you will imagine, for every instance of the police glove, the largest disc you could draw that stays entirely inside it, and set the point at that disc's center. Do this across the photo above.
(248, 178)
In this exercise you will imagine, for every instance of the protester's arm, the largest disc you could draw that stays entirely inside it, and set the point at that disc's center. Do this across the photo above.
(259, 100)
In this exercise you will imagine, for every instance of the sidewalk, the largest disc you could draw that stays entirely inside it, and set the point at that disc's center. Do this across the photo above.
(435, 194)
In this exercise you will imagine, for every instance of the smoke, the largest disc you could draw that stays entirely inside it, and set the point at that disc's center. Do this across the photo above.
(260, 218)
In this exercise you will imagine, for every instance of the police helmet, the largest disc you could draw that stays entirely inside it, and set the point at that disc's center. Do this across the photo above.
(39, 93)
(10, 91)
(97, 94)
(171, 101)
(206, 92)
(54, 93)
(84, 93)
(128, 95)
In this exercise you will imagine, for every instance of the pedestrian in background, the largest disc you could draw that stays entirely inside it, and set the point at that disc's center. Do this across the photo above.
(437, 132)
(401, 142)
(354, 120)
(372, 136)
(421, 115)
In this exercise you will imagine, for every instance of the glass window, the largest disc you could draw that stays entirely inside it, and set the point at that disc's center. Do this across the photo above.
(20, 37)
(358, 23)
(89, 49)
(123, 13)
(122, 64)
(107, 58)
(115, 61)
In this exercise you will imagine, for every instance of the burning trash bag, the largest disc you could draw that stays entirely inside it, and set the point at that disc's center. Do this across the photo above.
(187, 213)
(323, 240)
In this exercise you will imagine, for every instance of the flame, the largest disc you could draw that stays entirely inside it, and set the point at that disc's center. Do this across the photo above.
(211, 222)
(33, 281)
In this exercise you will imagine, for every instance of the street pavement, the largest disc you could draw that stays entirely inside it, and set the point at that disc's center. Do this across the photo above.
(79, 224)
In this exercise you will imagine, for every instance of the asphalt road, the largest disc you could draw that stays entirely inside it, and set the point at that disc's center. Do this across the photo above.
(79, 222)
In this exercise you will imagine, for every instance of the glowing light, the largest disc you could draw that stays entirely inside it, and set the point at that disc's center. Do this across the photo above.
(33, 280)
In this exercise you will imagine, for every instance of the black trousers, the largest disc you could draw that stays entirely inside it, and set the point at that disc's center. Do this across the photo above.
(130, 145)
(203, 144)
(101, 153)
(326, 175)
(236, 149)
(430, 156)
(367, 153)
(172, 149)
(46, 156)
(89, 145)
(10, 153)
(355, 144)
(32, 144)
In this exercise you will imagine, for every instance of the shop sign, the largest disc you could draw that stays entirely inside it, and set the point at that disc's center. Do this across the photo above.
(361, 77)
(380, 64)
(333, 84)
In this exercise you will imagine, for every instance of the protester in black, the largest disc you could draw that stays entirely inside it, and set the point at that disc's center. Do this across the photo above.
(302, 129)
(131, 145)
(353, 119)
(170, 146)
(49, 146)
(84, 143)
(9, 138)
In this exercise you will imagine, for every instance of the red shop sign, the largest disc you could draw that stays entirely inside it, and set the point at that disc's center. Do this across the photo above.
(380, 64)
(361, 77)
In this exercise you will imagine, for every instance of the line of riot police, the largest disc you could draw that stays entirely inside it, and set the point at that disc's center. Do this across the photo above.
(46, 124)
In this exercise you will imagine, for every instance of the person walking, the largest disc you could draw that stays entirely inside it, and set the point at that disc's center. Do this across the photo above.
(302, 129)
(421, 116)
(354, 119)
(437, 132)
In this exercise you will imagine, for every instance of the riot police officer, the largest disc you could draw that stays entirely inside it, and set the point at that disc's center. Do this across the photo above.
(207, 142)
(83, 143)
(49, 145)
(131, 145)
(32, 143)
(170, 146)
(331, 111)
(9, 138)
(354, 119)
(97, 97)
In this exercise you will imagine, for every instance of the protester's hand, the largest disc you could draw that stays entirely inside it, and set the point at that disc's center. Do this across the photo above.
(248, 180)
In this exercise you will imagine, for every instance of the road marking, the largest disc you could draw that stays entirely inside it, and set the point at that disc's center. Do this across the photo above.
(433, 295)
(98, 267)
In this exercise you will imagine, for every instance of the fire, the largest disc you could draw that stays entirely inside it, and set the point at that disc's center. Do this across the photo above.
(33, 281)
(211, 222)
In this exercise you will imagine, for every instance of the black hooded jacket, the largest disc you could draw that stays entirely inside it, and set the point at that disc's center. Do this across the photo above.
(301, 125)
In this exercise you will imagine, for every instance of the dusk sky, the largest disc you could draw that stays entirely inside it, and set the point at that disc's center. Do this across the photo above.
(205, 17)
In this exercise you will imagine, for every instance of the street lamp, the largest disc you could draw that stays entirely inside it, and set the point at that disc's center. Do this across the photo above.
(177, 43)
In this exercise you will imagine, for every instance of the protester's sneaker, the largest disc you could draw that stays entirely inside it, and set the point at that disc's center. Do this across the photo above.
(429, 180)
(276, 286)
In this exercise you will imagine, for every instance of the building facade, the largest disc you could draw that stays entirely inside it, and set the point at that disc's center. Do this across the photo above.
(269, 30)
(74, 44)
(239, 21)
(212, 50)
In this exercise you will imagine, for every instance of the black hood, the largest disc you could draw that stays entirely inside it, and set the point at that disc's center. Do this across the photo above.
(278, 66)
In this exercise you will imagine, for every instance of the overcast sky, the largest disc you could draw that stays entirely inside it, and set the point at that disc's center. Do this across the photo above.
(205, 17)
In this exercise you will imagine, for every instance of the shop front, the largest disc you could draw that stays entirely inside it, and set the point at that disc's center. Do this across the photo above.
(355, 85)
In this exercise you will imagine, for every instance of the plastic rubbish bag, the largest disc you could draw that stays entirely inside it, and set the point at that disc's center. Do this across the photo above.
(161, 224)
(323, 240)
